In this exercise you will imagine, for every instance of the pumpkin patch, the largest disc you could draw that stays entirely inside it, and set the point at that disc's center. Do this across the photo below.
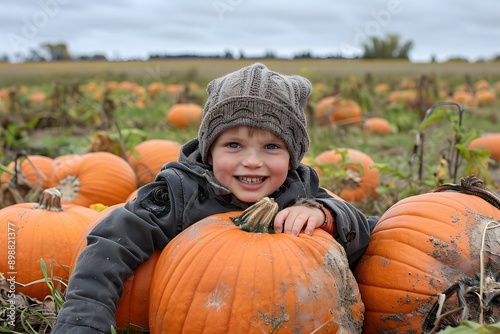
(423, 256)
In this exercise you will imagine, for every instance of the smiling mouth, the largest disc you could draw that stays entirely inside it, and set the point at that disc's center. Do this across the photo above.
(250, 180)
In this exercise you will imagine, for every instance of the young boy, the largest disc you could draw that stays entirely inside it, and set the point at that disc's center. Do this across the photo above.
(250, 143)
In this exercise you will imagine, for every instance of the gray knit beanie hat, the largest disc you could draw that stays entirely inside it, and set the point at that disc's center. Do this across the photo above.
(257, 97)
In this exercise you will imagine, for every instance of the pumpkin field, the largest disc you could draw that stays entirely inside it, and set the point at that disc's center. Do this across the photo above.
(416, 144)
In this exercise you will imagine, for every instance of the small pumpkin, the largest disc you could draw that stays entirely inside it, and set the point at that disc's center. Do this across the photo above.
(35, 169)
(182, 115)
(422, 246)
(44, 230)
(361, 179)
(238, 278)
(464, 97)
(37, 98)
(149, 156)
(377, 125)
(334, 109)
(96, 177)
(485, 97)
(406, 97)
(132, 311)
(490, 142)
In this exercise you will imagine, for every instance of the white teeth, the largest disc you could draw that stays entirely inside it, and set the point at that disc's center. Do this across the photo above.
(251, 180)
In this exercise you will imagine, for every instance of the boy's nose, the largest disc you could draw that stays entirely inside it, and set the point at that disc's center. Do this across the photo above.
(252, 159)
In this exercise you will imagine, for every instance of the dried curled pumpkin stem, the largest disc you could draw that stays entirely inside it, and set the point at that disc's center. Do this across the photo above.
(473, 186)
(258, 217)
(50, 200)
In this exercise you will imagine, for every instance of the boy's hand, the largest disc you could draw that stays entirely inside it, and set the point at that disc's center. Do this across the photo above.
(293, 219)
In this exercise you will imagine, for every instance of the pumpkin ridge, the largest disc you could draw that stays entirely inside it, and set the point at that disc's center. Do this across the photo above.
(237, 285)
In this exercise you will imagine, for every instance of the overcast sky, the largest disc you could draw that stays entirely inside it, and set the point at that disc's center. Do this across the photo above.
(136, 29)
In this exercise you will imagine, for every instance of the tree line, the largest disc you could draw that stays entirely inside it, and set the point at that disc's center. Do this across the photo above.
(390, 46)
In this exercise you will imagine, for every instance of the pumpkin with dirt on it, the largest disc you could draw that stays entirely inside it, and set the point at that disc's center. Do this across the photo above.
(238, 278)
(422, 268)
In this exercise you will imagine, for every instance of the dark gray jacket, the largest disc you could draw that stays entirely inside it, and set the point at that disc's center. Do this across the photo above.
(183, 193)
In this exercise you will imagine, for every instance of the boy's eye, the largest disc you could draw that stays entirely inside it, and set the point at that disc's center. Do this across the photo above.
(272, 147)
(233, 145)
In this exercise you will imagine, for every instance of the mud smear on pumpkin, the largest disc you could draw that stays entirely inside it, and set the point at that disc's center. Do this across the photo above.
(346, 288)
(476, 225)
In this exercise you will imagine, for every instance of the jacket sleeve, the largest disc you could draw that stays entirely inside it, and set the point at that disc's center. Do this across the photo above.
(353, 227)
(115, 247)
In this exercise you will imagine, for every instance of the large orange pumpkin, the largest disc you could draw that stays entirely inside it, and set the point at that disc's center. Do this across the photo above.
(150, 155)
(334, 109)
(133, 306)
(218, 277)
(361, 180)
(96, 177)
(490, 142)
(422, 246)
(34, 231)
(183, 115)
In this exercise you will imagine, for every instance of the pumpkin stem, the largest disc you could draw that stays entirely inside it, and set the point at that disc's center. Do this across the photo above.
(50, 200)
(258, 217)
(473, 186)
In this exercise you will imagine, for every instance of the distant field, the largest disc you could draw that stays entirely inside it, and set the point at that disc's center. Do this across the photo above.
(206, 69)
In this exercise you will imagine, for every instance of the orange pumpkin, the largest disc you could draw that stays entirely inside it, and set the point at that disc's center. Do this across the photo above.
(96, 177)
(35, 169)
(481, 84)
(44, 230)
(490, 142)
(37, 98)
(155, 88)
(149, 156)
(405, 97)
(333, 109)
(182, 115)
(382, 88)
(377, 125)
(464, 97)
(421, 246)
(65, 157)
(231, 279)
(485, 97)
(361, 179)
(133, 306)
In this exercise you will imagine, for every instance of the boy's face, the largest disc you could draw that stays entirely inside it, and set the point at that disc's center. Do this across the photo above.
(251, 163)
